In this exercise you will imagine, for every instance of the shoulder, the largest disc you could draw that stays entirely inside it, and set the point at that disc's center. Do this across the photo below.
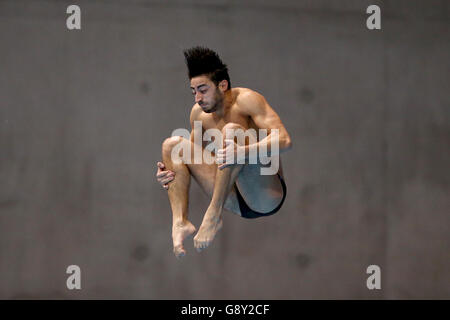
(250, 101)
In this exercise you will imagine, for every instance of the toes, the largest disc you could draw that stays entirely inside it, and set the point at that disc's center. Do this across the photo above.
(201, 245)
(179, 251)
(198, 246)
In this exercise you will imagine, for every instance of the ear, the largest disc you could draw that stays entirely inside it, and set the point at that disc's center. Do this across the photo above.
(223, 85)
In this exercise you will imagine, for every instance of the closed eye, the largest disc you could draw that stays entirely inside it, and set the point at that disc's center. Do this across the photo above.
(201, 91)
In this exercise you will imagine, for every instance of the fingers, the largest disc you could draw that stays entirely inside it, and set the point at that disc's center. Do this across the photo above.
(161, 168)
(221, 155)
(228, 142)
(221, 159)
(227, 151)
(166, 180)
(224, 165)
(163, 174)
(164, 177)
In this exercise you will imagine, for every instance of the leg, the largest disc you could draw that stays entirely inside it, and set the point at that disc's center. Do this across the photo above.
(178, 192)
(224, 181)
(178, 196)
(262, 193)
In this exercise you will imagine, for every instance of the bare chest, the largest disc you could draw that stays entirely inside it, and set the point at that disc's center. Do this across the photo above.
(209, 121)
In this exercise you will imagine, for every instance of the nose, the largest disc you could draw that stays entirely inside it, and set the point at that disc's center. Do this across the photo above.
(198, 97)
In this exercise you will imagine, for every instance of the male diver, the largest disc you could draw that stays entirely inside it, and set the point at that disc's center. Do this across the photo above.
(236, 184)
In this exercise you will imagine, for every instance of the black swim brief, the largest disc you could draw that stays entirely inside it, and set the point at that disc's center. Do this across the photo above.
(248, 213)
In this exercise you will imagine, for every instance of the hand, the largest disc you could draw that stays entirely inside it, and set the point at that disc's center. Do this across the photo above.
(164, 176)
(229, 154)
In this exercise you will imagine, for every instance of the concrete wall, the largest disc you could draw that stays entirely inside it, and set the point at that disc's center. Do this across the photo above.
(83, 114)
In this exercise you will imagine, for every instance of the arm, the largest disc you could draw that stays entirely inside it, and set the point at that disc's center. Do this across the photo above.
(255, 105)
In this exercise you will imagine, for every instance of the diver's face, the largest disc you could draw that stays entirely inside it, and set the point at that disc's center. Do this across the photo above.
(206, 93)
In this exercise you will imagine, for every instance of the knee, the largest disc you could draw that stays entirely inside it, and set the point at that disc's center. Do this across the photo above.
(170, 143)
(239, 134)
(231, 130)
(232, 126)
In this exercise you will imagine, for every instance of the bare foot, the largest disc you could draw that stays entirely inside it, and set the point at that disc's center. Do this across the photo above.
(207, 232)
(181, 231)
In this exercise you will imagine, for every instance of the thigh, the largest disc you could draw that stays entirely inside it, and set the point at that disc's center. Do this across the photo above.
(204, 172)
(262, 193)
(205, 175)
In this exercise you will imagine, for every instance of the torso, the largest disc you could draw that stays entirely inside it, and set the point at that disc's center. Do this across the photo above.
(231, 114)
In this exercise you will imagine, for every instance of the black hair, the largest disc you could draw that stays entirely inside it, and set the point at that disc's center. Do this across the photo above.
(204, 61)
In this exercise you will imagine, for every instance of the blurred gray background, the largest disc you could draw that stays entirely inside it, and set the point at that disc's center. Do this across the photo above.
(83, 115)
